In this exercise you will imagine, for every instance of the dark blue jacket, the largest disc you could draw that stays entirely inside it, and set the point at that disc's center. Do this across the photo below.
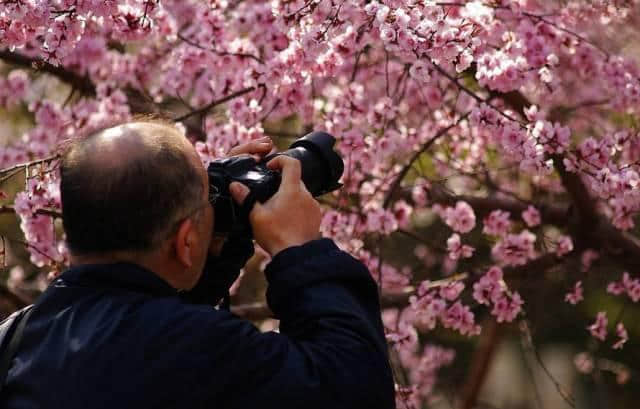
(117, 336)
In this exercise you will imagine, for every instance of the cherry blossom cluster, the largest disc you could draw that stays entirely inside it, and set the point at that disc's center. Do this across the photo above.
(39, 229)
(599, 330)
(491, 290)
(424, 362)
(627, 285)
(432, 305)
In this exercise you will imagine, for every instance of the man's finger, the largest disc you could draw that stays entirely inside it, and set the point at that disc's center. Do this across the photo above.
(238, 191)
(291, 171)
(260, 146)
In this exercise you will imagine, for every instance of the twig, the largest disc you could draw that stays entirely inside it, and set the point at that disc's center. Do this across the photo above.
(471, 93)
(527, 340)
(29, 164)
(386, 71)
(416, 155)
(43, 211)
(214, 103)
(527, 366)
(355, 65)
(219, 53)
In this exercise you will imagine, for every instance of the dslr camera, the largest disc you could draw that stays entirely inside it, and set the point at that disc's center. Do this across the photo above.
(321, 167)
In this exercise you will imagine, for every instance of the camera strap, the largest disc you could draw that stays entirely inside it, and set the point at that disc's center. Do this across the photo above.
(12, 327)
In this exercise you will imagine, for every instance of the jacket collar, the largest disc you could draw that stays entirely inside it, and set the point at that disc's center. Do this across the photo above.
(127, 276)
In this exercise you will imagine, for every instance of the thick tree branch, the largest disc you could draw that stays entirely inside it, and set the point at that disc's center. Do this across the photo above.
(80, 83)
(481, 363)
(482, 206)
(590, 227)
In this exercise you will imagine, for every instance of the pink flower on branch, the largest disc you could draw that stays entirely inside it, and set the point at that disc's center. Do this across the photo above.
(460, 218)
(515, 249)
(626, 285)
(576, 295)
(623, 336)
(564, 246)
(497, 223)
(599, 328)
(531, 216)
(456, 249)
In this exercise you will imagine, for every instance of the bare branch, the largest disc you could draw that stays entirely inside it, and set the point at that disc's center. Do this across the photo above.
(527, 341)
(219, 53)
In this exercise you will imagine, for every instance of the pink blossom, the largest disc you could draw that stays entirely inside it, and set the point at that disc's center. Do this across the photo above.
(459, 317)
(531, 216)
(576, 295)
(599, 328)
(419, 194)
(587, 258)
(584, 363)
(420, 71)
(623, 336)
(626, 285)
(381, 220)
(460, 218)
(452, 290)
(564, 246)
(506, 309)
(402, 212)
(515, 249)
(387, 34)
(456, 249)
(489, 288)
(497, 223)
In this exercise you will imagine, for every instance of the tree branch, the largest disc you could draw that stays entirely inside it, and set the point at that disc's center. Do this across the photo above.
(214, 103)
(44, 211)
(81, 83)
(481, 363)
(416, 155)
(482, 206)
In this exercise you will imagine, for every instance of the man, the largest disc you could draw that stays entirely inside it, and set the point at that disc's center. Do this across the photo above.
(125, 326)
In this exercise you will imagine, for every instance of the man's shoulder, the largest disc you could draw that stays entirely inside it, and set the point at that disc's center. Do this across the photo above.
(168, 310)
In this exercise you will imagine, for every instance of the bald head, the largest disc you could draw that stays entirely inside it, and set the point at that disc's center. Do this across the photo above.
(118, 145)
(123, 188)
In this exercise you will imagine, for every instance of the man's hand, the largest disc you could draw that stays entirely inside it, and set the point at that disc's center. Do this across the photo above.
(257, 148)
(289, 218)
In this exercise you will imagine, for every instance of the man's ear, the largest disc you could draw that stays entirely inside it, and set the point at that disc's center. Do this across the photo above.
(185, 241)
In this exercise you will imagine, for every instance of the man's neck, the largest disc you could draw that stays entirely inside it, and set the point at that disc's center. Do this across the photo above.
(151, 262)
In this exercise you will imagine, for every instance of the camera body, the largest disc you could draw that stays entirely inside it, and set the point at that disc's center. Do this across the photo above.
(321, 169)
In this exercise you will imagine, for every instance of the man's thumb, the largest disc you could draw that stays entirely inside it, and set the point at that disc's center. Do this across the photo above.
(238, 191)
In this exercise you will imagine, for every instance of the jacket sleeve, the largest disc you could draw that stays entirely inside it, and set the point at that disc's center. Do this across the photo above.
(330, 351)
